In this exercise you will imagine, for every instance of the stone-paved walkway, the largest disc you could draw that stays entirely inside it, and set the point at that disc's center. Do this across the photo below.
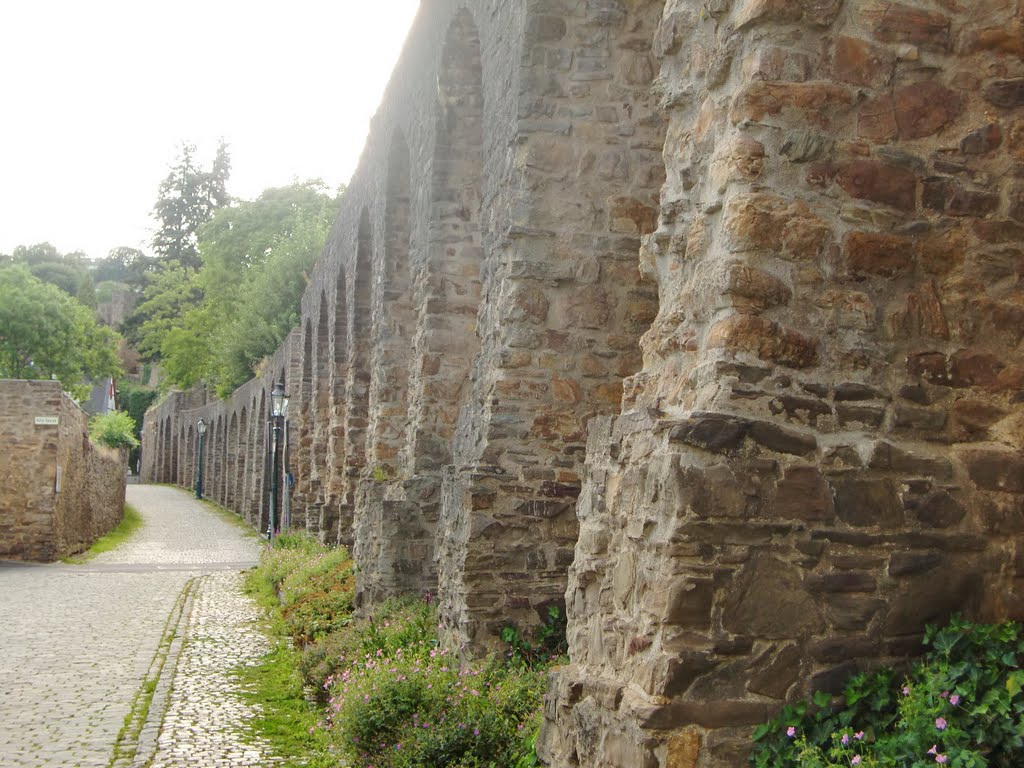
(145, 634)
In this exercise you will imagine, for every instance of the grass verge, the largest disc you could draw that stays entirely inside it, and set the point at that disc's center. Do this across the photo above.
(288, 721)
(131, 521)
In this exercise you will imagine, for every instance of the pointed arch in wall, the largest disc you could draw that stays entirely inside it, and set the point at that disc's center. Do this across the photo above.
(359, 354)
(447, 337)
(397, 323)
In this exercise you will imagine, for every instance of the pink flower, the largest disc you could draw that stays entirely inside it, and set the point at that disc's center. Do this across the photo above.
(941, 758)
(940, 723)
(845, 740)
(934, 750)
(906, 690)
(855, 760)
(944, 694)
(954, 699)
(859, 735)
(791, 731)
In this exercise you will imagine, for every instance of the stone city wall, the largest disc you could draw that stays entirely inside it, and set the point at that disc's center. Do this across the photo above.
(704, 317)
(61, 492)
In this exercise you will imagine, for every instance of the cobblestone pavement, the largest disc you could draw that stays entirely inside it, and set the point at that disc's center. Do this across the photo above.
(82, 648)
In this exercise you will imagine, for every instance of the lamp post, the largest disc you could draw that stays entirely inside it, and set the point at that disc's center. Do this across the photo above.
(278, 410)
(201, 430)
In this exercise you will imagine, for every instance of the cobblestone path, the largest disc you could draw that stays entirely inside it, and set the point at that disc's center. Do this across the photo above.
(145, 635)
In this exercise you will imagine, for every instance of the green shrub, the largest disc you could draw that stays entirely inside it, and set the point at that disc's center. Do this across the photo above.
(961, 706)
(115, 429)
(314, 583)
(417, 705)
(543, 645)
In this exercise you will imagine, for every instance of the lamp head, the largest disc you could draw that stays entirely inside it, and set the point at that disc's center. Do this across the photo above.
(279, 400)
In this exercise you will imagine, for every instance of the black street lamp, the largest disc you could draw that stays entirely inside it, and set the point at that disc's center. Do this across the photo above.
(201, 429)
(278, 410)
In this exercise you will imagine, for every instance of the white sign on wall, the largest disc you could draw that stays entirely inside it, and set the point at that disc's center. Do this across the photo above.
(48, 421)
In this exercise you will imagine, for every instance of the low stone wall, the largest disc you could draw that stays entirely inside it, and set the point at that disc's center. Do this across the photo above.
(60, 492)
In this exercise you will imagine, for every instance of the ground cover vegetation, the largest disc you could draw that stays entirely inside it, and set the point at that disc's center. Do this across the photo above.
(387, 693)
(131, 521)
(961, 706)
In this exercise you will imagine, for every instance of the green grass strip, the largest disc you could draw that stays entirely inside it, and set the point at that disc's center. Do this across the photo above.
(131, 521)
(288, 722)
(127, 745)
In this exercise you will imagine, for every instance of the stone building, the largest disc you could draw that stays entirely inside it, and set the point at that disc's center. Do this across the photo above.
(703, 317)
(60, 492)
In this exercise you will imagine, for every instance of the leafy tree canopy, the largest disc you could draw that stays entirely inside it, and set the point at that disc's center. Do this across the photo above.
(256, 256)
(171, 291)
(128, 266)
(45, 333)
(67, 271)
(187, 199)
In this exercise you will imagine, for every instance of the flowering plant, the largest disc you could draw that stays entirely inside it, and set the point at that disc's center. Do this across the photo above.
(961, 706)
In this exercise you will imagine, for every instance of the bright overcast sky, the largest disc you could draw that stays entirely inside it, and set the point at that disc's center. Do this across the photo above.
(98, 95)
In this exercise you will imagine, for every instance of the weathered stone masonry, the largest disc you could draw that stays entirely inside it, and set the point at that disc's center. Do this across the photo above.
(820, 449)
(60, 491)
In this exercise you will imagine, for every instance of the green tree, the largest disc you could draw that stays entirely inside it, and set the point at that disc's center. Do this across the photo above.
(187, 199)
(134, 399)
(268, 305)
(123, 265)
(256, 256)
(45, 333)
(170, 293)
(67, 271)
(115, 429)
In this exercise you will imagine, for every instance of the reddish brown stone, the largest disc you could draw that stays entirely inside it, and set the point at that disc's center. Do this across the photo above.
(783, 440)
(784, 227)
(880, 183)
(776, 63)
(765, 338)
(950, 197)
(973, 368)
(970, 419)
(589, 307)
(982, 140)
(819, 12)
(898, 23)
(995, 470)
(868, 253)
(859, 62)
(931, 366)
(802, 494)
(844, 581)
(940, 510)
(758, 99)
(753, 288)
(715, 432)
(689, 604)
(943, 251)
(1008, 40)
(912, 112)
(921, 315)
(864, 501)
(887, 456)
(629, 216)
(1008, 94)
(528, 304)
